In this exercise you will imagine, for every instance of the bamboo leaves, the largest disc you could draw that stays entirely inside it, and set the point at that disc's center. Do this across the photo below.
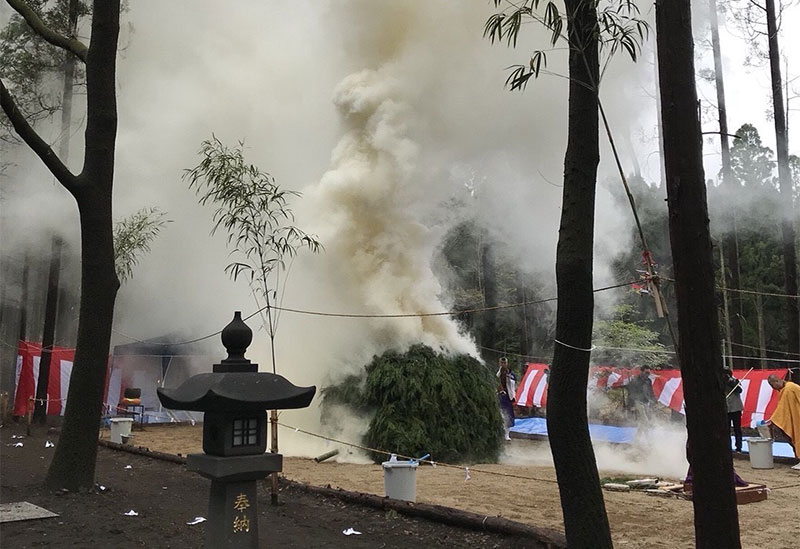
(619, 27)
(253, 211)
(132, 237)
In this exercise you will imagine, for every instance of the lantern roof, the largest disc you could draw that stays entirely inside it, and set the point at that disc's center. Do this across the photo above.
(236, 385)
(236, 392)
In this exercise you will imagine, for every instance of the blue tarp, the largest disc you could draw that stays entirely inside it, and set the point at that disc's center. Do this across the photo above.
(600, 433)
(619, 435)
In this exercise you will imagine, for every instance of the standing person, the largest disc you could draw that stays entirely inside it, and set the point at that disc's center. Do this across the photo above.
(733, 392)
(787, 414)
(506, 393)
(640, 395)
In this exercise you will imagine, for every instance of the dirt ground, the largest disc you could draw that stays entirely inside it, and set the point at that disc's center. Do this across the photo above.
(166, 496)
(637, 520)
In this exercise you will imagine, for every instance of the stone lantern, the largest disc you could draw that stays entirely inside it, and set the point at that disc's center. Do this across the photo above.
(234, 399)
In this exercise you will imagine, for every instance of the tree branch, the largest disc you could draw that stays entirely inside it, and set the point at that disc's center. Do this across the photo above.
(35, 142)
(72, 45)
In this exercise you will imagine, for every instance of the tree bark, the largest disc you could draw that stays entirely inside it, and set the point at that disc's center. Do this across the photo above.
(73, 464)
(69, 83)
(522, 330)
(23, 300)
(785, 184)
(585, 520)
(489, 324)
(48, 333)
(714, 501)
(762, 336)
(731, 187)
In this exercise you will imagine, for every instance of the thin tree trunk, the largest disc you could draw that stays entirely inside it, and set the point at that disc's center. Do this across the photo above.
(734, 319)
(762, 336)
(489, 324)
(785, 184)
(69, 82)
(48, 333)
(662, 171)
(522, 330)
(23, 300)
(726, 311)
(714, 500)
(585, 519)
(73, 464)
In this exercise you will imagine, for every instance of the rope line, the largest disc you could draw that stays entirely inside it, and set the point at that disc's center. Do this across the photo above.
(567, 345)
(785, 486)
(751, 292)
(390, 315)
(759, 348)
(429, 461)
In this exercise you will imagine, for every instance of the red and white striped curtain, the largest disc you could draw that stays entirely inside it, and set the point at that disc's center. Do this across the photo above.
(758, 397)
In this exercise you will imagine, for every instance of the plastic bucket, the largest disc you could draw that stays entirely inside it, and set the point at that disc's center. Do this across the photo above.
(120, 426)
(760, 453)
(400, 479)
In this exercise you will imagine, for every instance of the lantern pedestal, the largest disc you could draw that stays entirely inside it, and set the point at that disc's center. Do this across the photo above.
(235, 397)
(232, 501)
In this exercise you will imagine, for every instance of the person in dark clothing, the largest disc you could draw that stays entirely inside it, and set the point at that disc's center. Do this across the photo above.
(640, 394)
(733, 392)
(506, 391)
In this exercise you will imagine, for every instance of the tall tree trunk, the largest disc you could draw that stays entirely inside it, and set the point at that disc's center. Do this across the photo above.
(73, 464)
(585, 520)
(716, 519)
(23, 300)
(785, 183)
(522, 330)
(69, 83)
(662, 180)
(48, 333)
(762, 336)
(726, 310)
(731, 274)
(66, 325)
(489, 324)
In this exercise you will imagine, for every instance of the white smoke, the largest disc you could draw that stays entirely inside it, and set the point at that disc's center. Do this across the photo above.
(377, 251)
(380, 112)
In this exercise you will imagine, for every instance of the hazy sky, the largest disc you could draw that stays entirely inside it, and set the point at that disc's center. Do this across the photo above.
(382, 113)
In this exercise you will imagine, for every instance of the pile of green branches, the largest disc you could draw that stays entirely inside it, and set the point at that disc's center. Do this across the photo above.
(423, 401)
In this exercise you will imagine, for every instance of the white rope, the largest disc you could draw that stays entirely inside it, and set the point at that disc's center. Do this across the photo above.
(576, 348)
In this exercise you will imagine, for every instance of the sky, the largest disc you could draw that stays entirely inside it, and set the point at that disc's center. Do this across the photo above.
(385, 116)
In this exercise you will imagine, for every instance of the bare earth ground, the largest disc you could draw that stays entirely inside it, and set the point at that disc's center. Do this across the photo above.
(637, 520)
(166, 496)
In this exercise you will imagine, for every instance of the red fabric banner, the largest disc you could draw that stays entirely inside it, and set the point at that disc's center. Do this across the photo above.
(758, 397)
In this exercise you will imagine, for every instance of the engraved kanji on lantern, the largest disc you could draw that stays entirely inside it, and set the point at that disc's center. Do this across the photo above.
(234, 398)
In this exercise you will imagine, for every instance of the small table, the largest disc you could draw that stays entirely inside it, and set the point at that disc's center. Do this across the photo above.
(132, 410)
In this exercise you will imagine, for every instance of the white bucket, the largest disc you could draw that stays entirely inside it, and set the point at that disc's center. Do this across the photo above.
(120, 426)
(400, 479)
(760, 453)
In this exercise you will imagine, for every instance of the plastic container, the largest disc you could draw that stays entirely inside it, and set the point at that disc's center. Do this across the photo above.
(763, 430)
(120, 426)
(760, 453)
(400, 479)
